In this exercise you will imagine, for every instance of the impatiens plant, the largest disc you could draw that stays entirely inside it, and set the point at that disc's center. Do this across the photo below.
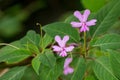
(83, 47)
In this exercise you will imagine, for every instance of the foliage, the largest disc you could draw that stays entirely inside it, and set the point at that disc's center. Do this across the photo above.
(97, 4)
(98, 60)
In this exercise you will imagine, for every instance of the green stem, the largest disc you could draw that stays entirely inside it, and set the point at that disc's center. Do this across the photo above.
(84, 44)
(71, 55)
(41, 36)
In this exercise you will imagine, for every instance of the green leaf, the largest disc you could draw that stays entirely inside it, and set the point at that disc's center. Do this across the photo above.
(32, 48)
(62, 29)
(48, 59)
(46, 41)
(115, 62)
(10, 47)
(56, 71)
(13, 53)
(93, 5)
(30, 74)
(15, 56)
(79, 70)
(71, 18)
(106, 17)
(43, 72)
(31, 37)
(14, 74)
(91, 77)
(36, 64)
(102, 69)
(53, 73)
(109, 41)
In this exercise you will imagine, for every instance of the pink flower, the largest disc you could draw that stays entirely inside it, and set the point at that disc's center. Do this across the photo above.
(67, 68)
(83, 24)
(61, 48)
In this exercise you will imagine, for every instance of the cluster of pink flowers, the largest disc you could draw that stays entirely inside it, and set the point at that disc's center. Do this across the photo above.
(61, 49)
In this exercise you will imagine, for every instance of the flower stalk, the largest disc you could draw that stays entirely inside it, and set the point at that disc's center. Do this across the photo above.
(85, 45)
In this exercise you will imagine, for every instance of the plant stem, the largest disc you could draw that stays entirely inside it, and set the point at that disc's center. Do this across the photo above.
(84, 47)
(41, 37)
(41, 41)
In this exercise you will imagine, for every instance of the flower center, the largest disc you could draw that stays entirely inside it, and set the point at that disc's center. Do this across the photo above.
(63, 49)
(83, 24)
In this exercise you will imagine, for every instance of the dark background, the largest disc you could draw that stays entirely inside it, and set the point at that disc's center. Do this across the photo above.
(34, 11)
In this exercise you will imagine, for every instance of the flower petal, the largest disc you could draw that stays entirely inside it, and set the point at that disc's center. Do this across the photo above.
(78, 15)
(64, 40)
(76, 24)
(67, 62)
(84, 29)
(70, 48)
(85, 15)
(57, 48)
(65, 72)
(68, 70)
(60, 42)
(91, 22)
(57, 38)
(63, 54)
